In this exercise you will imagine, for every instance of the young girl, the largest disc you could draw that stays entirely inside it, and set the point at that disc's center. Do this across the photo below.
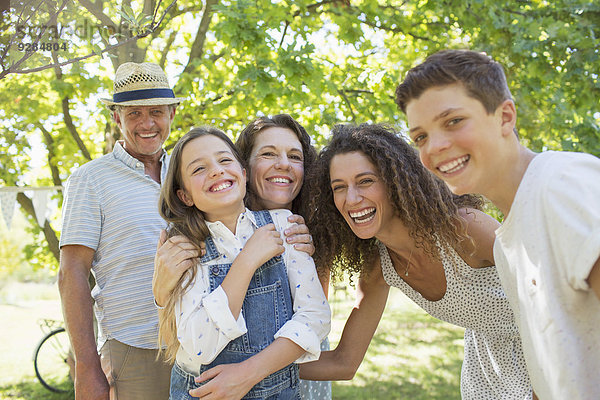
(277, 152)
(252, 300)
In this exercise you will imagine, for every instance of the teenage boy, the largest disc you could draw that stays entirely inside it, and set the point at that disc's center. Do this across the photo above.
(462, 119)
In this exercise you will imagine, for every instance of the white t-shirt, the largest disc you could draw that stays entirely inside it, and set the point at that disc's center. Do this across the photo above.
(544, 252)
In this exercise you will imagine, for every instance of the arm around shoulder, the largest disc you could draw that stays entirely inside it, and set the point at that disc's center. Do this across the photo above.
(173, 258)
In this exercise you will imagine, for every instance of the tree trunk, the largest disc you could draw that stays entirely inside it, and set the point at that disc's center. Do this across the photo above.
(49, 233)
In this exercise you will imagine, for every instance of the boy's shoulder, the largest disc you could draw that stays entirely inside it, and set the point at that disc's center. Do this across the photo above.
(558, 188)
(559, 174)
(562, 163)
(566, 156)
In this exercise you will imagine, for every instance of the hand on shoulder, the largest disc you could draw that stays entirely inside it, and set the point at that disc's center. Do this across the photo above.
(297, 234)
(173, 257)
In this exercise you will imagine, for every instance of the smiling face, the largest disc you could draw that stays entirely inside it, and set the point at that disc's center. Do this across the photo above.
(457, 139)
(359, 194)
(214, 180)
(276, 167)
(144, 128)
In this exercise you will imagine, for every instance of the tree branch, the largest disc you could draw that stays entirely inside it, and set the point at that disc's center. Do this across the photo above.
(313, 7)
(27, 55)
(358, 91)
(67, 113)
(131, 51)
(72, 129)
(202, 106)
(395, 30)
(49, 233)
(215, 57)
(111, 135)
(287, 23)
(51, 154)
(174, 12)
(147, 31)
(163, 55)
(198, 45)
(96, 10)
(347, 101)
(149, 9)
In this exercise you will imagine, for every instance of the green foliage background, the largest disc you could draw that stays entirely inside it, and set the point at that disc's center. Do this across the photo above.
(324, 62)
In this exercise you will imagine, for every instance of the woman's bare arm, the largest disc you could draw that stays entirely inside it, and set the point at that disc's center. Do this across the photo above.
(342, 363)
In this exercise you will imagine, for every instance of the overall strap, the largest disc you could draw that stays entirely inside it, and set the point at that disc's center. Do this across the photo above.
(262, 218)
(211, 250)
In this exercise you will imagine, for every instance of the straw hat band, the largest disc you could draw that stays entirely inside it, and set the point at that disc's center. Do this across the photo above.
(143, 84)
(143, 94)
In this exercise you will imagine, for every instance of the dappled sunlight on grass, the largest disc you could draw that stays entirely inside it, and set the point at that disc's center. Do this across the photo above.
(412, 355)
(23, 304)
(30, 389)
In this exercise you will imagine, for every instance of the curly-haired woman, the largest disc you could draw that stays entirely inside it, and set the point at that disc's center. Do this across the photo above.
(393, 223)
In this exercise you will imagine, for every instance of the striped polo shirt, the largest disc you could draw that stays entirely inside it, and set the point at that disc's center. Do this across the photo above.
(111, 206)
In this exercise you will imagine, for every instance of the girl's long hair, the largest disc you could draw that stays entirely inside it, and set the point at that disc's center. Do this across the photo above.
(182, 220)
(245, 143)
(422, 202)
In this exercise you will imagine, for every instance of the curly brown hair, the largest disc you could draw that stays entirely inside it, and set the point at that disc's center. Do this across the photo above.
(422, 201)
(245, 144)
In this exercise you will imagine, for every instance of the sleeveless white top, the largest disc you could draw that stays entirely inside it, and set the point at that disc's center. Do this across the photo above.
(494, 365)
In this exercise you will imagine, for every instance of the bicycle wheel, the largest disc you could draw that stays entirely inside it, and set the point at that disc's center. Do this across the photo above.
(53, 361)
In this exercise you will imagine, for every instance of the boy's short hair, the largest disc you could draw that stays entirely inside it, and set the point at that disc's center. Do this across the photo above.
(482, 77)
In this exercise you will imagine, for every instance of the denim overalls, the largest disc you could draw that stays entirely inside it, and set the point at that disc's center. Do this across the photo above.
(267, 306)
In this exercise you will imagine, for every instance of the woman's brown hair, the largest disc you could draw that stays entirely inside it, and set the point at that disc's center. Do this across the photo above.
(245, 144)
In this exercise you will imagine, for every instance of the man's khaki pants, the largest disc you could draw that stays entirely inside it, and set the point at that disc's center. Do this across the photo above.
(134, 373)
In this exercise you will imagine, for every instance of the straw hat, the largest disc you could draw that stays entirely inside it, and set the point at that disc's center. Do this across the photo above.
(142, 84)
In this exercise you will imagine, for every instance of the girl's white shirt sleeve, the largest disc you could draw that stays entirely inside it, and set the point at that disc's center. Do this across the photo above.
(311, 320)
(205, 324)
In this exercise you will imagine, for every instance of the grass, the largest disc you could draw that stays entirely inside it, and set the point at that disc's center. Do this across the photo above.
(412, 356)
(21, 306)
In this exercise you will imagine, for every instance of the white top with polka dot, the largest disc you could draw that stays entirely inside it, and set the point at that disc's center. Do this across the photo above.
(494, 365)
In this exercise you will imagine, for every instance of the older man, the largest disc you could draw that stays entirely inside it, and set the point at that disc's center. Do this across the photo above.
(111, 226)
